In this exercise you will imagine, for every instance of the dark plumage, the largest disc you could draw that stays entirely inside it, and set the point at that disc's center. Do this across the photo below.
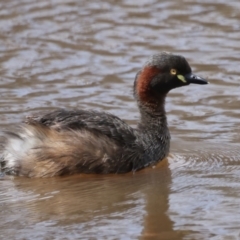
(80, 141)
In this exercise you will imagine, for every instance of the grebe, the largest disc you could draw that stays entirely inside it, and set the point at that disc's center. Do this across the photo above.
(80, 141)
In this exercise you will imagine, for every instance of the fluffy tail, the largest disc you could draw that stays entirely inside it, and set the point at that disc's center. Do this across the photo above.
(39, 151)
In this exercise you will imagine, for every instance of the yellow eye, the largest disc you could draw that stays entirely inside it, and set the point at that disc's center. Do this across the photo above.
(173, 71)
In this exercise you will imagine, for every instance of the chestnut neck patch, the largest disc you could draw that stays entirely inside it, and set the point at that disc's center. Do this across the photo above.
(143, 88)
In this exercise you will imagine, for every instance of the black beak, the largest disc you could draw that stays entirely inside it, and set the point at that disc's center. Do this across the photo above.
(191, 78)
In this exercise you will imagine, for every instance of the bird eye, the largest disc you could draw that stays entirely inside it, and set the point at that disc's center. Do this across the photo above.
(173, 71)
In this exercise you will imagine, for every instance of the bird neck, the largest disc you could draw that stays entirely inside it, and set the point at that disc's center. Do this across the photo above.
(153, 117)
(153, 132)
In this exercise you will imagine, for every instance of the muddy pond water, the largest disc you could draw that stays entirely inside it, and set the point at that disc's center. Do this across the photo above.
(84, 54)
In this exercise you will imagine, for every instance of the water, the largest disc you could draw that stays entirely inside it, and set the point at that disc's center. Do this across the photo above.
(68, 54)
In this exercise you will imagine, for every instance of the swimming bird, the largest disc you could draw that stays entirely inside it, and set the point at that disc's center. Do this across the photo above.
(81, 141)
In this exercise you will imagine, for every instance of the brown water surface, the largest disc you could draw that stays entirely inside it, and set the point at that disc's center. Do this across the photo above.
(69, 53)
